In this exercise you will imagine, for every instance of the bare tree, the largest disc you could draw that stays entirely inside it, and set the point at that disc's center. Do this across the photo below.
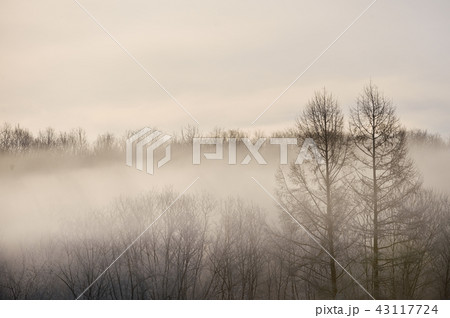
(46, 139)
(236, 255)
(386, 175)
(315, 192)
(15, 140)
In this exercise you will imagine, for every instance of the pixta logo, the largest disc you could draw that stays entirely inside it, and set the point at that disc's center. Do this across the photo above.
(149, 140)
(145, 142)
(307, 149)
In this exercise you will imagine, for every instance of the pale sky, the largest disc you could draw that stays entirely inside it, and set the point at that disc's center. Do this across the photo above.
(225, 61)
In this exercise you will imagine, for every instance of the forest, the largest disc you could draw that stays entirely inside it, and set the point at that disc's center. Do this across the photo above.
(364, 224)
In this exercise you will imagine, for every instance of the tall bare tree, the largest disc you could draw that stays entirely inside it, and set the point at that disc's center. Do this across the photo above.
(316, 190)
(386, 175)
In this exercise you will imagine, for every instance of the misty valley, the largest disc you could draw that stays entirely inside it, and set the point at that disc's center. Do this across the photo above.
(372, 220)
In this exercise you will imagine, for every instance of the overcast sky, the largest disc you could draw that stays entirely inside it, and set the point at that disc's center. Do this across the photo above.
(225, 61)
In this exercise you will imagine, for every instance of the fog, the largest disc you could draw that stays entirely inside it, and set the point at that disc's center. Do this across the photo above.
(39, 193)
(65, 214)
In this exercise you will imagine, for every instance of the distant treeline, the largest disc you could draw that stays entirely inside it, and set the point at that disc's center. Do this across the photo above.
(15, 139)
